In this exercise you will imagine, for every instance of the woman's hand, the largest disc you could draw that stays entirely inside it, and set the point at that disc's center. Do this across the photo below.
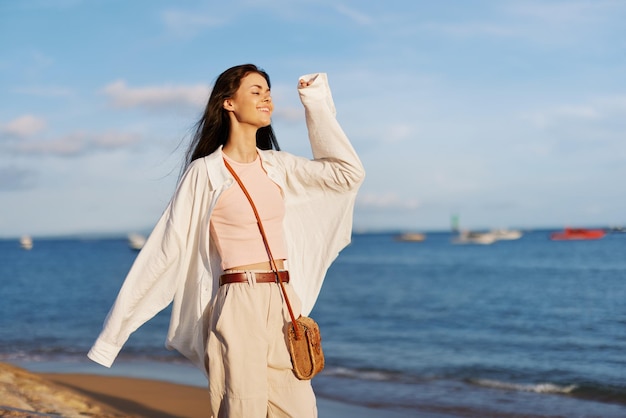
(306, 83)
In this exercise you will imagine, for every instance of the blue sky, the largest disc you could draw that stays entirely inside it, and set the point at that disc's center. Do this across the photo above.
(507, 113)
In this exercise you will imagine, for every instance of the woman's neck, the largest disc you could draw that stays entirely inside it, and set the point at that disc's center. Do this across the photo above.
(242, 151)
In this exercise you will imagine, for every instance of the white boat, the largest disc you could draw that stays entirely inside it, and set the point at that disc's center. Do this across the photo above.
(506, 234)
(489, 237)
(26, 242)
(136, 241)
(473, 237)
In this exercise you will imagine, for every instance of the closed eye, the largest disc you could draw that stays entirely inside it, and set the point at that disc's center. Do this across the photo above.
(258, 89)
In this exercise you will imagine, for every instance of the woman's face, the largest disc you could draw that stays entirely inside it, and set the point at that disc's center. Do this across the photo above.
(252, 103)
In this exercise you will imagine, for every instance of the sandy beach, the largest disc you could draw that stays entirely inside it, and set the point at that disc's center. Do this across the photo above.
(26, 394)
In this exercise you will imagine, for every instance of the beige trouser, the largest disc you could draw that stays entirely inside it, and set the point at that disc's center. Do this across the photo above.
(249, 367)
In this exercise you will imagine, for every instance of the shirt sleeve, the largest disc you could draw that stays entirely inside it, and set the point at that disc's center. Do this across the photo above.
(335, 165)
(322, 192)
(153, 278)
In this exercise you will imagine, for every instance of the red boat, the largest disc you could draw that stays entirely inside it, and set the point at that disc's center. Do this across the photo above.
(577, 234)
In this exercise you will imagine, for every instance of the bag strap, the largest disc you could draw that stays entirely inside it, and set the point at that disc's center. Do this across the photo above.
(267, 248)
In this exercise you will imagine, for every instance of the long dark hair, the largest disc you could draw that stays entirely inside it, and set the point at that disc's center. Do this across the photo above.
(213, 128)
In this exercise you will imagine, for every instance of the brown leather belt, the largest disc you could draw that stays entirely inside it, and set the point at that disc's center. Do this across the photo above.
(264, 277)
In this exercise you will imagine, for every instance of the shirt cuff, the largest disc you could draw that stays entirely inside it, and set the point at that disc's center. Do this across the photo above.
(103, 353)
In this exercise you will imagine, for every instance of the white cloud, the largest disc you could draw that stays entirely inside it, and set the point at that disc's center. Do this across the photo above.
(590, 133)
(113, 140)
(614, 104)
(582, 112)
(64, 146)
(74, 144)
(603, 108)
(550, 117)
(399, 132)
(24, 126)
(354, 15)
(155, 97)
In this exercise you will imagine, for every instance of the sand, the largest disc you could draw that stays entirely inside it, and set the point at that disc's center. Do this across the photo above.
(26, 394)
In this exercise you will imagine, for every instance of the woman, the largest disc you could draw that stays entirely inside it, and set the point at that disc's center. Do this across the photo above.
(206, 253)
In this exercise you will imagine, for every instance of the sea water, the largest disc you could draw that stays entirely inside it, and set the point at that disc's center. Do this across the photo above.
(529, 327)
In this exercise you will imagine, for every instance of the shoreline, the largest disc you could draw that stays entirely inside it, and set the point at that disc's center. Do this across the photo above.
(148, 388)
(158, 399)
(54, 394)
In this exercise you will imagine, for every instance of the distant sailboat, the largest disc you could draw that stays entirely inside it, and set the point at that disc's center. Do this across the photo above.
(473, 237)
(506, 234)
(485, 237)
(136, 241)
(488, 237)
(26, 242)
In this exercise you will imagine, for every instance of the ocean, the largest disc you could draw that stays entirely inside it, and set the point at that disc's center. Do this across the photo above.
(522, 328)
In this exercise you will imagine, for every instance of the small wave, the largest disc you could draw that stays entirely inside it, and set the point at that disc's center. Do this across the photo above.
(71, 356)
(376, 375)
(535, 387)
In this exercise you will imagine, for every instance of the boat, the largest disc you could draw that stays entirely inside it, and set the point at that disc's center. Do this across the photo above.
(488, 237)
(463, 236)
(136, 241)
(506, 234)
(26, 242)
(411, 237)
(474, 237)
(571, 234)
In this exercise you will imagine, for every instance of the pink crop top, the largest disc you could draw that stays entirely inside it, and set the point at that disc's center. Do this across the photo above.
(233, 225)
